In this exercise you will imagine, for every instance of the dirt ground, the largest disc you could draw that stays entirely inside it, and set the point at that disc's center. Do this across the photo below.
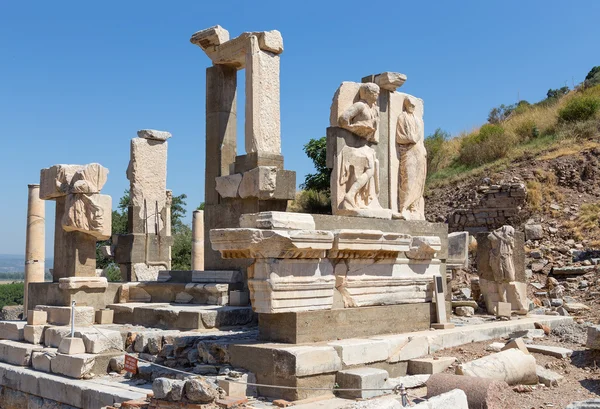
(581, 374)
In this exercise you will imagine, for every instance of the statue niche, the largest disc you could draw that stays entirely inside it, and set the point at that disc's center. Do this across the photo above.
(355, 181)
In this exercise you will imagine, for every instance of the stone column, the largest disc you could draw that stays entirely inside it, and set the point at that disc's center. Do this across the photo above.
(34, 241)
(198, 240)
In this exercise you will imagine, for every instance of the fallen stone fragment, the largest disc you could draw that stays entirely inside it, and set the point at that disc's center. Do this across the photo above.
(429, 365)
(200, 390)
(455, 399)
(593, 337)
(557, 352)
(527, 333)
(481, 393)
(409, 381)
(495, 347)
(517, 343)
(571, 270)
(379, 403)
(547, 377)
(575, 307)
(464, 311)
(512, 366)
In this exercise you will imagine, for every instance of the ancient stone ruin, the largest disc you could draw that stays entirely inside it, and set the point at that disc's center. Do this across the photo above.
(278, 304)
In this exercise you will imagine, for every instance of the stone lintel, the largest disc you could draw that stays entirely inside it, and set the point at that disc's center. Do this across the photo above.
(278, 221)
(82, 283)
(210, 37)
(50, 185)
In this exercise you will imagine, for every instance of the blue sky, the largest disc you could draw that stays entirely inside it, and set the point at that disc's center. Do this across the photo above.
(79, 78)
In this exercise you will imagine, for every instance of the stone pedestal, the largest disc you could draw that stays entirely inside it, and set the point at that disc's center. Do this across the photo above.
(141, 256)
(35, 252)
(198, 240)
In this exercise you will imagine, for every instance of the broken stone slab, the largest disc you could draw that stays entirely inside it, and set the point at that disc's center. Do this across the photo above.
(465, 303)
(575, 307)
(527, 333)
(228, 185)
(429, 365)
(464, 311)
(455, 399)
(424, 247)
(82, 283)
(512, 366)
(17, 353)
(360, 351)
(403, 348)
(12, 330)
(548, 377)
(40, 361)
(278, 220)
(168, 389)
(517, 343)
(588, 404)
(408, 381)
(71, 346)
(495, 347)
(534, 232)
(557, 352)
(390, 80)
(571, 270)
(153, 134)
(200, 390)
(73, 366)
(102, 341)
(379, 403)
(361, 379)
(210, 37)
(593, 337)
(481, 393)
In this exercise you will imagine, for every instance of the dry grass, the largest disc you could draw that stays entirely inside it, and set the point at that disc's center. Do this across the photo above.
(568, 147)
(543, 191)
(587, 224)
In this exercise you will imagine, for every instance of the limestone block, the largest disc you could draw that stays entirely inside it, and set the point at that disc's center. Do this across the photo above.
(517, 343)
(34, 334)
(210, 37)
(291, 285)
(40, 361)
(271, 41)
(557, 352)
(379, 403)
(458, 249)
(54, 335)
(481, 393)
(310, 360)
(429, 365)
(12, 330)
(84, 316)
(503, 309)
(404, 348)
(360, 351)
(71, 346)
(37, 317)
(183, 298)
(55, 180)
(147, 174)
(511, 366)
(263, 127)
(361, 379)
(259, 182)
(534, 232)
(102, 341)
(200, 390)
(82, 283)
(593, 337)
(105, 316)
(464, 311)
(390, 80)
(73, 366)
(154, 134)
(547, 377)
(424, 247)
(228, 185)
(144, 339)
(17, 353)
(144, 272)
(258, 243)
(232, 387)
(344, 97)
(239, 298)
(278, 221)
(356, 243)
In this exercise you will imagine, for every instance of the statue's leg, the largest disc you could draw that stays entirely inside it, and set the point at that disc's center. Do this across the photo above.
(361, 181)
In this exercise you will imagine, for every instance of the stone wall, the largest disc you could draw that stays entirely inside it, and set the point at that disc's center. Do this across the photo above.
(493, 207)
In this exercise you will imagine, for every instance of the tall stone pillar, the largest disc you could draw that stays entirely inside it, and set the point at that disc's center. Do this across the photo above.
(34, 240)
(198, 240)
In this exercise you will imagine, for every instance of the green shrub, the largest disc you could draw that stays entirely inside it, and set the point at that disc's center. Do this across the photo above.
(593, 77)
(580, 108)
(434, 144)
(579, 130)
(527, 130)
(312, 201)
(11, 294)
(487, 145)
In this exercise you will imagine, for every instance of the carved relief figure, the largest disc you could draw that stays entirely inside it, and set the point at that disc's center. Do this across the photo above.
(413, 162)
(362, 117)
(84, 209)
(359, 173)
(501, 255)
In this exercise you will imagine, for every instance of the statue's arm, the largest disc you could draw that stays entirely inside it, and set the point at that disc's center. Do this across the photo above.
(403, 135)
(345, 120)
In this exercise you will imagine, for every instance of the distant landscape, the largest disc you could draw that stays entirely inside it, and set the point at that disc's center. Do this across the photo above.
(12, 267)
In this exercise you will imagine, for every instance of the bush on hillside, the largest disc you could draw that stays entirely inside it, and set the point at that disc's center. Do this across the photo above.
(311, 201)
(434, 144)
(580, 108)
(527, 130)
(487, 145)
(593, 77)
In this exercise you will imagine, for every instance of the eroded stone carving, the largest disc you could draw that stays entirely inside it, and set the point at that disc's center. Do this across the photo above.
(413, 162)
(358, 178)
(362, 117)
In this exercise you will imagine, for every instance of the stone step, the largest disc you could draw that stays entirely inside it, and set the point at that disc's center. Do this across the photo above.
(183, 317)
(94, 393)
(84, 316)
(12, 330)
(209, 293)
(361, 379)
(17, 353)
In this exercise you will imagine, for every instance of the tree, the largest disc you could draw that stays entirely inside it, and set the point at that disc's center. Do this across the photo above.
(554, 94)
(500, 113)
(434, 144)
(316, 150)
(593, 77)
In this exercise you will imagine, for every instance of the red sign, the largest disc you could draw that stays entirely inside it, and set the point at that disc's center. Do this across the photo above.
(131, 364)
